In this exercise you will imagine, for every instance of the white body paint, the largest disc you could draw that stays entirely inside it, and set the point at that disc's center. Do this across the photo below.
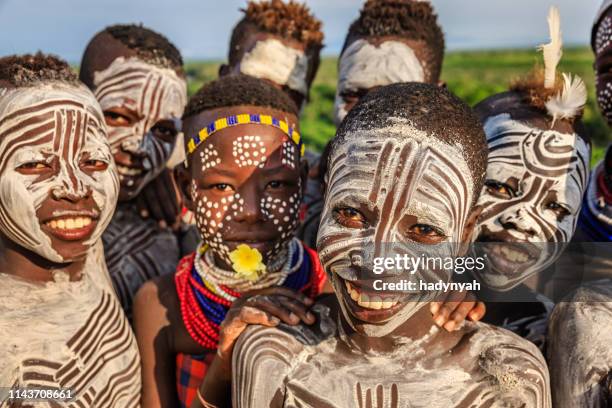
(22, 194)
(271, 59)
(364, 66)
(527, 154)
(580, 347)
(46, 329)
(496, 369)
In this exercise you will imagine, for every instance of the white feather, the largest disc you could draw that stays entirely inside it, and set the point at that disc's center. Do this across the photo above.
(554, 49)
(568, 103)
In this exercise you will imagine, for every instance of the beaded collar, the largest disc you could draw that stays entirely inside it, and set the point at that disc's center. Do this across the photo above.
(206, 293)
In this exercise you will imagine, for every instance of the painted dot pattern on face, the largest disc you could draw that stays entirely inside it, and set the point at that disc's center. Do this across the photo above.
(249, 151)
(603, 35)
(289, 151)
(209, 158)
(604, 98)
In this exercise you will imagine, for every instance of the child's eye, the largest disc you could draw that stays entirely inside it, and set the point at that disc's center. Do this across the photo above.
(164, 132)
(500, 190)
(275, 184)
(425, 234)
(558, 209)
(222, 187)
(34, 167)
(350, 218)
(94, 165)
(116, 119)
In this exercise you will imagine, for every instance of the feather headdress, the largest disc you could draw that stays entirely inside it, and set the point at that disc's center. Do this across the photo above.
(570, 100)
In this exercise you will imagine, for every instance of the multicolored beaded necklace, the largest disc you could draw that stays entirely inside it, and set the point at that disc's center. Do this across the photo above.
(204, 302)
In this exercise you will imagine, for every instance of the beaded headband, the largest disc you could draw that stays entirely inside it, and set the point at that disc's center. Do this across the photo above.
(244, 119)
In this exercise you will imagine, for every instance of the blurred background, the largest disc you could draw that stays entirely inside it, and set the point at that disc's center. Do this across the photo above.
(489, 43)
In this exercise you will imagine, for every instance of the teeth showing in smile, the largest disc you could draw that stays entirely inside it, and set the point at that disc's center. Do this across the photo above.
(369, 302)
(69, 223)
(510, 254)
(127, 171)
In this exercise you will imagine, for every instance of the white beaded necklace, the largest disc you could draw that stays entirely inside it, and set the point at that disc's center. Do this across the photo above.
(214, 276)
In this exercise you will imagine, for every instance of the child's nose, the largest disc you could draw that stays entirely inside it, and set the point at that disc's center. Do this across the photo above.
(251, 208)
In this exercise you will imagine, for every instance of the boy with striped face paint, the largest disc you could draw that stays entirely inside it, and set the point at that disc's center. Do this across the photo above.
(62, 326)
(537, 172)
(137, 76)
(278, 42)
(244, 182)
(405, 170)
(392, 41)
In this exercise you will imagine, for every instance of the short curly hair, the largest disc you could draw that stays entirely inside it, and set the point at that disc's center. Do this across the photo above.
(409, 19)
(32, 69)
(149, 45)
(289, 20)
(239, 90)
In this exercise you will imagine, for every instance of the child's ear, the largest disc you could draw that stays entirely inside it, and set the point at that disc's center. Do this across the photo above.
(182, 175)
(223, 70)
(442, 84)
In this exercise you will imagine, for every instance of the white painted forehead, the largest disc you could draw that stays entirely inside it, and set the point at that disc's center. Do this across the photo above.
(401, 132)
(134, 63)
(364, 65)
(14, 99)
(495, 126)
(271, 59)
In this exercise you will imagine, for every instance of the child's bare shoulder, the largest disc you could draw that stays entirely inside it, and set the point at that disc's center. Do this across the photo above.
(515, 366)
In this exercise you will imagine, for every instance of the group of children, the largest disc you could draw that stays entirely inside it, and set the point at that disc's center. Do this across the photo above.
(264, 295)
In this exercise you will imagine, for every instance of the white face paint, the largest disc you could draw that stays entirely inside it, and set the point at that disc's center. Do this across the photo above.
(363, 66)
(533, 194)
(60, 127)
(396, 183)
(271, 59)
(153, 94)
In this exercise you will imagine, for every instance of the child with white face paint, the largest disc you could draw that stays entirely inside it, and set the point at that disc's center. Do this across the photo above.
(391, 41)
(279, 42)
(137, 76)
(537, 171)
(405, 169)
(58, 189)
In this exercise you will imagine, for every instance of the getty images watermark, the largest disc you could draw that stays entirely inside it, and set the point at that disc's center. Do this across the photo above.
(405, 264)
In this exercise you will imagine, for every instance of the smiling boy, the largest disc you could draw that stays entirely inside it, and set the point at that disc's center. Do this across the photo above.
(62, 326)
(138, 79)
(405, 171)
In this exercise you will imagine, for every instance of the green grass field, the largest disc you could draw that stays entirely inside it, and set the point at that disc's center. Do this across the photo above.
(473, 76)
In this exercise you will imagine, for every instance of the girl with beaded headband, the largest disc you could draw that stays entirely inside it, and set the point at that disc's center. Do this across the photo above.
(536, 176)
(244, 181)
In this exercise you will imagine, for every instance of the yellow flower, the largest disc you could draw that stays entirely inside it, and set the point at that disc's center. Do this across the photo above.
(247, 262)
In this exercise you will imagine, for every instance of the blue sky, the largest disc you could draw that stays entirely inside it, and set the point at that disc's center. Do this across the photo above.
(201, 28)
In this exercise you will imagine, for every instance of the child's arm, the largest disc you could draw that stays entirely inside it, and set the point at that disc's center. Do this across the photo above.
(154, 334)
(267, 308)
